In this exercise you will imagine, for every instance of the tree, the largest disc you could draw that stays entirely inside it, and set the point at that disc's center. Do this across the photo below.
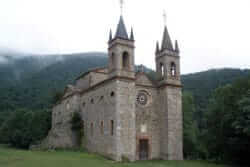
(228, 123)
(57, 96)
(190, 129)
(25, 127)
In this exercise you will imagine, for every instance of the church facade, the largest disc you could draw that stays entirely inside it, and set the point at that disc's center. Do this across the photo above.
(125, 114)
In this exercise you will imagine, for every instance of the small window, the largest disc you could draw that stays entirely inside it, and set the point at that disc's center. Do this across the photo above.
(112, 94)
(113, 60)
(101, 98)
(173, 69)
(68, 106)
(162, 69)
(92, 129)
(125, 60)
(102, 127)
(92, 101)
(83, 104)
(112, 127)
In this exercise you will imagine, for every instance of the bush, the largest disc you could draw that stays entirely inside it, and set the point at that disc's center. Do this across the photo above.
(25, 127)
(228, 123)
(191, 148)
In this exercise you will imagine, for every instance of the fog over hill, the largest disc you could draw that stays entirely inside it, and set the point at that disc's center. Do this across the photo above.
(30, 81)
(17, 65)
(10, 56)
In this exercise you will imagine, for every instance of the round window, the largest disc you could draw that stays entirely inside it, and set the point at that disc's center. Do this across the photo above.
(142, 98)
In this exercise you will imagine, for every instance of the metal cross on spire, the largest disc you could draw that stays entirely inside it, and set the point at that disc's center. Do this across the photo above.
(121, 5)
(165, 17)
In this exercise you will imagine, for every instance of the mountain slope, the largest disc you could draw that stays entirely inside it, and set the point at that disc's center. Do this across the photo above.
(31, 81)
(202, 84)
(40, 77)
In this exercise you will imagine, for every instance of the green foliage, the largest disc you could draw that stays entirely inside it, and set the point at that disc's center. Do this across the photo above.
(31, 82)
(35, 83)
(57, 96)
(242, 119)
(190, 129)
(228, 123)
(25, 127)
(21, 158)
(202, 85)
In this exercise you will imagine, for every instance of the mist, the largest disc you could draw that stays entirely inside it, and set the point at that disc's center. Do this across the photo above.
(211, 34)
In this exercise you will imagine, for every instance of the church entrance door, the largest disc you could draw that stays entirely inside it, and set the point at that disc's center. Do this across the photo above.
(143, 149)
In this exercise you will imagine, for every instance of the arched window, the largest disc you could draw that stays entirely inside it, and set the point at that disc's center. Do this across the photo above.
(92, 129)
(67, 105)
(125, 60)
(112, 127)
(173, 69)
(162, 71)
(113, 60)
(102, 127)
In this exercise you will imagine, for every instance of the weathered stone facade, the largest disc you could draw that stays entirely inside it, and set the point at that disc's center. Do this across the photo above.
(124, 113)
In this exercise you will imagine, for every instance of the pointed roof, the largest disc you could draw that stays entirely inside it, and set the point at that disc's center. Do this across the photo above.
(121, 31)
(166, 41)
(132, 35)
(110, 36)
(176, 48)
(157, 47)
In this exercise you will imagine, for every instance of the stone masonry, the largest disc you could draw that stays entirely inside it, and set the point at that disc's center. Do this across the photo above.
(125, 114)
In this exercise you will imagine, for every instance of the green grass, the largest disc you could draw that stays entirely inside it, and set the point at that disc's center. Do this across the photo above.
(21, 158)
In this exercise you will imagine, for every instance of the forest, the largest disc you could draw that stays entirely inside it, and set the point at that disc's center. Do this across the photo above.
(216, 104)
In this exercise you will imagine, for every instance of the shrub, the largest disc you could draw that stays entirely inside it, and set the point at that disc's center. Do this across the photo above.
(25, 127)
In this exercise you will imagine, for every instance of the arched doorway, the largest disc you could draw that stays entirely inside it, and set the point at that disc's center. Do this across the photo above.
(143, 149)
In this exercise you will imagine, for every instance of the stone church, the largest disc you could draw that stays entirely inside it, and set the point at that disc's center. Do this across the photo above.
(125, 114)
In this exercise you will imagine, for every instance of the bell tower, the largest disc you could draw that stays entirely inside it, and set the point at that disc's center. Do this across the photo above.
(121, 52)
(169, 98)
(168, 61)
(121, 74)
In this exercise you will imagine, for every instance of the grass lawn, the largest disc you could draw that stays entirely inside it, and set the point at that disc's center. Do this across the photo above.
(21, 158)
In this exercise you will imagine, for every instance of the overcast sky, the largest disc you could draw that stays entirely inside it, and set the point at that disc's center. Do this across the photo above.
(211, 33)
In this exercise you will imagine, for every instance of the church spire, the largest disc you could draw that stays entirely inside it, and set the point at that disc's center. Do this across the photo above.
(132, 38)
(166, 41)
(121, 31)
(157, 47)
(176, 48)
(110, 36)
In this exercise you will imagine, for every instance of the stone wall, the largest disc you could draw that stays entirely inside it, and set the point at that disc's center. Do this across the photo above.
(99, 106)
(170, 108)
(113, 101)
(90, 79)
(97, 77)
(61, 135)
(126, 128)
(147, 123)
(83, 83)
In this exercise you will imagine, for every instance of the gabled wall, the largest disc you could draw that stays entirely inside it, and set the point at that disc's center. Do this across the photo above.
(98, 105)
(147, 122)
(113, 100)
